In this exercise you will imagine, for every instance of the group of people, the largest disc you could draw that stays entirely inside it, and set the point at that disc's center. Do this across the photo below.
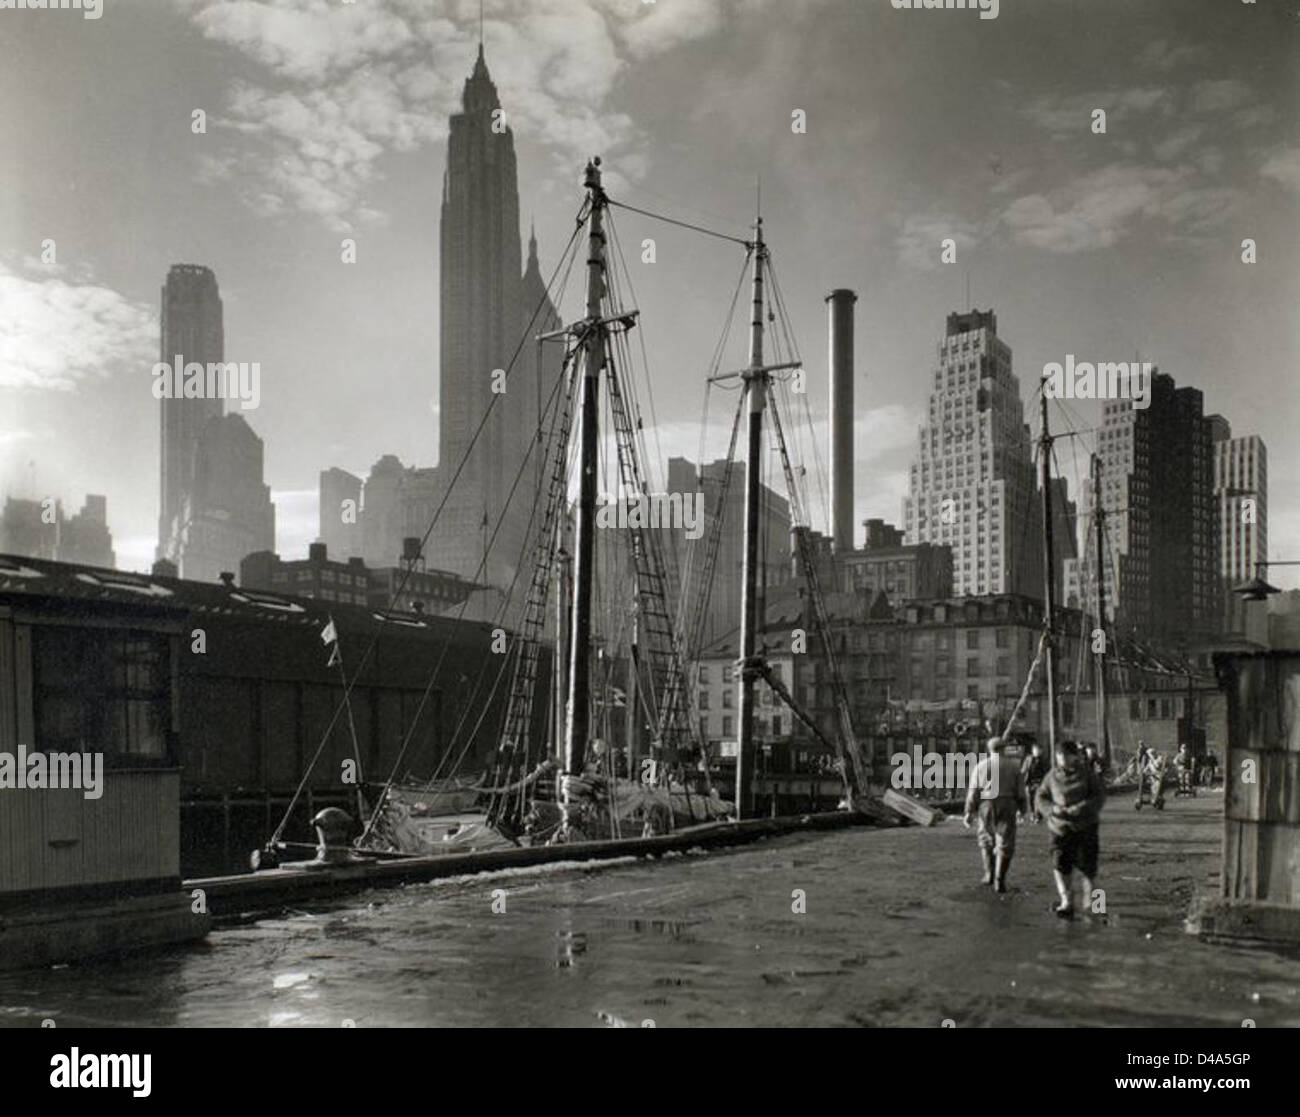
(1068, 794)
(1153, 773)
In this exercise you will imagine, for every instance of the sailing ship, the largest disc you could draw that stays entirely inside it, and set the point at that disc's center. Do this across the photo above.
(568, 787)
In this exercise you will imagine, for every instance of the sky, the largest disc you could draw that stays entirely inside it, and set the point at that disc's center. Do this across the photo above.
(327, 120)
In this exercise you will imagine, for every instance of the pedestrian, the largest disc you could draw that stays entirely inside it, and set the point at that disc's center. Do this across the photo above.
(997, 784)
(1072, 796)
(1032, 772)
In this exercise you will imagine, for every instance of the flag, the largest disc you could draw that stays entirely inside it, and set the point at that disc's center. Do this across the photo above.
(330, 635)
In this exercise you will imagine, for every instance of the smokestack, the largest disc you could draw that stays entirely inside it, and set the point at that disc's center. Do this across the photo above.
(840, 347)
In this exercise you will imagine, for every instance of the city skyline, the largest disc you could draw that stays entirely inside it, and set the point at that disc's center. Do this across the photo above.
(1138, 230)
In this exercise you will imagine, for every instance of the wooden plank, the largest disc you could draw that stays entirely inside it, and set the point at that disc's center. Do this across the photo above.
(909, 808)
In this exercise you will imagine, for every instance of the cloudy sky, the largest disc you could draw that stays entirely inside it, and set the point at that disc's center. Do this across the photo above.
(327, 119)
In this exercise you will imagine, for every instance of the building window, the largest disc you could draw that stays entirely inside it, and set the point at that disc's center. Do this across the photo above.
(101, 691)
(728, 699)
(1004, 635)
(726, 727)
(973, 637)
(703, 674)
(726, 673)
(776, 726)
(1166, 708)
(704, 729)
(704, 700)
(1004, 665)
(972, 667)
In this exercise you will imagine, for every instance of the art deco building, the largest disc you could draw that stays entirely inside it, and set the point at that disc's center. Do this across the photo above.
(214, 507)
(487, 303)
(972, 485)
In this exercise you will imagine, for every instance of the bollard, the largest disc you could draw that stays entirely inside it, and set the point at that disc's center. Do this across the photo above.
(332, 828)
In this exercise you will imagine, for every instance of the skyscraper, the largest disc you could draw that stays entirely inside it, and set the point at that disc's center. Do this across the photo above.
(1241, 490)
(191, 329)
(972, 486)
(1161, 516)
(340, 521)
(480, 279)
(214, 507)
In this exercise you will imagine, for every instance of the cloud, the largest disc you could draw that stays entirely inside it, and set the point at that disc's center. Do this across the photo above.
(1160, 55)
(1283, 165)
(1219, 96)
(1065, 116)
(920, 238)
(1099, 209)
(347, 84)
(55, 332)
(1177, 142)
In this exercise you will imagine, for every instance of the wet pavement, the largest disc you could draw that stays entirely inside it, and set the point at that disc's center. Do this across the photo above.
(897, 931)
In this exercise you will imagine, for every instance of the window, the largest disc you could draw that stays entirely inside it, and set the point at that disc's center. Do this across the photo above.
(972, 667)
(726, 727)
(727, 673)
(704, 700)
(972, 636)
(1004, 636)
(1153, 709)
(776, 726)
(704, 674)
(704, 729)
(1004, 665)
(1166, 708)
(101, 690)
(728, 699)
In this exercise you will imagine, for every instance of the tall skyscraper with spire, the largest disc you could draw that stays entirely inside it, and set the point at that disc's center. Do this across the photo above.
(486, 307)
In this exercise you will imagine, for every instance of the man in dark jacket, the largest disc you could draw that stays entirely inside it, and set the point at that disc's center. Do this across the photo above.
(1071, 797)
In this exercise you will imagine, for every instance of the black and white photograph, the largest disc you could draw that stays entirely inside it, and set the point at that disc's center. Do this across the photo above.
(660, 514)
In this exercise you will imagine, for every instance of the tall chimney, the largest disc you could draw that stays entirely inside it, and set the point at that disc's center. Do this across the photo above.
(840, 346)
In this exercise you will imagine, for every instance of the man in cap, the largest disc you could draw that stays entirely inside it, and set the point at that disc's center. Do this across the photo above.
(998, 787)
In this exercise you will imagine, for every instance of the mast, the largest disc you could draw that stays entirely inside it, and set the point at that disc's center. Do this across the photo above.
(756, 383)
(1099, 515)
(593, 360)
(1049, 621)
(561, 690)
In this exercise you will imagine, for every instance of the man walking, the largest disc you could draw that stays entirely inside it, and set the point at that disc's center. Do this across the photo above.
(1072, 796)
(998, 786)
